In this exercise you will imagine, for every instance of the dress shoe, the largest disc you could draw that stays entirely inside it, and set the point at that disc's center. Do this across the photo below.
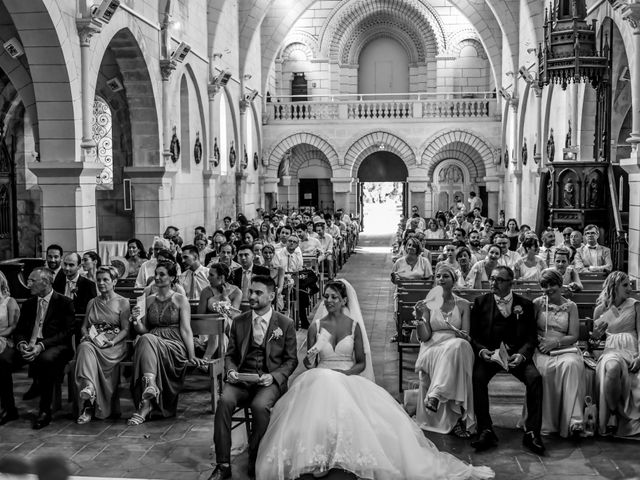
(220, 473)
(486, 439)
(533, 442)
(33, 392)
(8, 415)
(42, 421)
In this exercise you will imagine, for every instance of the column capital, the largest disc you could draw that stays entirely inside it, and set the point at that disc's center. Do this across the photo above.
(166, 68)
(631, 13)
(212, 90)
(87, 28)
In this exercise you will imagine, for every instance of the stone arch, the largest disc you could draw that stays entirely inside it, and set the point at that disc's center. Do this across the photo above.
(139, 92)
(469, 42)
(375, 141)
(348, 15)
(308, 155)
(463, 145)
(290, 141)
(415, 52)
(467, 176)
(44, 78)
(296, 47)
(201, 112)
(298, 36)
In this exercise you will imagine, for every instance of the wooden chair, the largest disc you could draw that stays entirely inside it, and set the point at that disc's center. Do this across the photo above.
(212, 324)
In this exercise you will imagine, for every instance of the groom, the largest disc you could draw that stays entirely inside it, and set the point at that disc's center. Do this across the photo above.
(505, 317)
(261, 342)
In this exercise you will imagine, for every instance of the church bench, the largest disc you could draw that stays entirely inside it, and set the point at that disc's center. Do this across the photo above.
(436, 245)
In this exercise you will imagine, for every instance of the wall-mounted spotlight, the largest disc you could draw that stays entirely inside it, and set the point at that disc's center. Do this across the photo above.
(181, 52)
(104, 12)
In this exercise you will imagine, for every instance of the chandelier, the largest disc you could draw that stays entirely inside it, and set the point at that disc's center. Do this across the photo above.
(569, 53)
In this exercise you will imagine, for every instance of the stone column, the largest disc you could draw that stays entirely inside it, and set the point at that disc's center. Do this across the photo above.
(166, 68)
(242, 148)
(87, 28)
(516, 160)
(342, 193)
(290, 192)
(631, 13)
(418, 187)
(152, 198)
(493, 196)
(537, 158)
(270, 192)
(68, 203)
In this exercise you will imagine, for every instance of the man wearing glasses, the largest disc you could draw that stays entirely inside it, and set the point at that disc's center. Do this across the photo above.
(508, 258)
(592, 257)
(148, 268)
(503, 317)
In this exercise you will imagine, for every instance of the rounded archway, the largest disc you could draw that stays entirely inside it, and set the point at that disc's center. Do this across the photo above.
(382, 179)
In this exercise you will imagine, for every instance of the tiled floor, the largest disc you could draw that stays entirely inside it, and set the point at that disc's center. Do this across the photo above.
(181, 447)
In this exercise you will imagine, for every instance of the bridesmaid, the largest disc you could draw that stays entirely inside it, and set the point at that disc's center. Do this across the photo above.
(9, 313)
(563, 379)
(481, 270)
(529, 267)
(90, 264)
(97, 373)
(618, 369)
(445, 361)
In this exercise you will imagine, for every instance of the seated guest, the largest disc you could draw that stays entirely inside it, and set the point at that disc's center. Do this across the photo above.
(170, 232)
(566, 235)
(152, 288)
(412, 265)
(308, 245)
(9, 313)
(275, 268)
(227, 252)
(257, 246)
(463, 257)
(617, 314)
(548, 247)
(290, 258)
(570, 277)
(97, 374)
(592, 257)
(512, 232)
(448, 257)
(481, 271)
(73, 285)
(195, 278)
(147, 269)
(282, 235)
(241, 277)
(267, 234)
(136, 256)
(529, 267)
(218, 291)
(163, 350)
(326, 248)
(460, 235)
(475, 246)
(445, 361)
(575, 240)
(54, 259)
(90, 263)
(497, 318)
(254, 348)
(202, 244)
(508, 258)
(42, 340)
(249, 235)
(563, 382)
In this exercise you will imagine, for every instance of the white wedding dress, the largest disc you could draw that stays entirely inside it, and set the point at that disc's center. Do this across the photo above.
(330, 420)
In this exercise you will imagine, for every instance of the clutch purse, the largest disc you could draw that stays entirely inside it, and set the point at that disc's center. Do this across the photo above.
(561, 351)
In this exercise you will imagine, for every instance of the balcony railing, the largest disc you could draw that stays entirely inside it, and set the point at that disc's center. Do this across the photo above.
(409, 106)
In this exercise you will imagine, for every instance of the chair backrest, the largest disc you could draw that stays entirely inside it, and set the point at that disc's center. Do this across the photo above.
(207, 324)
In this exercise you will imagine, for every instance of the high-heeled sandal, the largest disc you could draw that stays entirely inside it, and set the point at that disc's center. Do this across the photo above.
(88, 394)
(431, 403)
(85, 416)
(150, 390)
(139, 417)
(460, 429)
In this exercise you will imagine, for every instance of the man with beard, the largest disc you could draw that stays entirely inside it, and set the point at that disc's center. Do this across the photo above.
(475, 246)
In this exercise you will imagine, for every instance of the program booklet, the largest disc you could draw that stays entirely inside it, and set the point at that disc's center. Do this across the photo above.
(98, 338)
(248, 377)
(501, 356)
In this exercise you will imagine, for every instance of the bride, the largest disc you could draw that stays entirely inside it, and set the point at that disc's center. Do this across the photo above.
(334, 416)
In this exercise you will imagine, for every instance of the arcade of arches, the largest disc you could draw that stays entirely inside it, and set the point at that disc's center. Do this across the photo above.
(107, 133)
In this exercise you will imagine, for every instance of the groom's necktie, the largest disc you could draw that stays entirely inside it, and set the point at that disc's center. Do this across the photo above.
(258, 330)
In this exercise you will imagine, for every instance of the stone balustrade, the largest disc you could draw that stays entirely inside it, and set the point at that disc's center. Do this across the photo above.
(423, 107)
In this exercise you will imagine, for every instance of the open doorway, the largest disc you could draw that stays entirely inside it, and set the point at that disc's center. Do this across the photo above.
(382, 191)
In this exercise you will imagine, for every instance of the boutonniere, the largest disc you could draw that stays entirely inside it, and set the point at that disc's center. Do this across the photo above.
(74, 291)
(276, 334)
(518, 311)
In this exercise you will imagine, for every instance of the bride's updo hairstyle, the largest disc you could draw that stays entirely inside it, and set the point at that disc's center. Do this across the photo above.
(338, 287)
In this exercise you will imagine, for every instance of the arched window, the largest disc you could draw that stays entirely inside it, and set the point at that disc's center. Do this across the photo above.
(102, 135)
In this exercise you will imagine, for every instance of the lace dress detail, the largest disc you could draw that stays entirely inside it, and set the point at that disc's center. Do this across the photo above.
(563, 380)
(356, 426)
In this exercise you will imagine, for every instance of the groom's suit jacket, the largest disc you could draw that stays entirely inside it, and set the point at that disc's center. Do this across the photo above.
(520, 334)
(281, 352)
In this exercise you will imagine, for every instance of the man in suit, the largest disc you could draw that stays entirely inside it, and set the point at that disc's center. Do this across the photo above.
(43, 340)
(73, 285)
(505, 317)
(195, 278)
(261, 342)
(592, 257)
(241, 277)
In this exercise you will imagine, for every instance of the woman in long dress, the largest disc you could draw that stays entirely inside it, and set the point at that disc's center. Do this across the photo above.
(529, 267)
(334, 416)
(445, 361)
(9, 313)
(163, 350)
(563, 381)
(618, 369)
(97, 373)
